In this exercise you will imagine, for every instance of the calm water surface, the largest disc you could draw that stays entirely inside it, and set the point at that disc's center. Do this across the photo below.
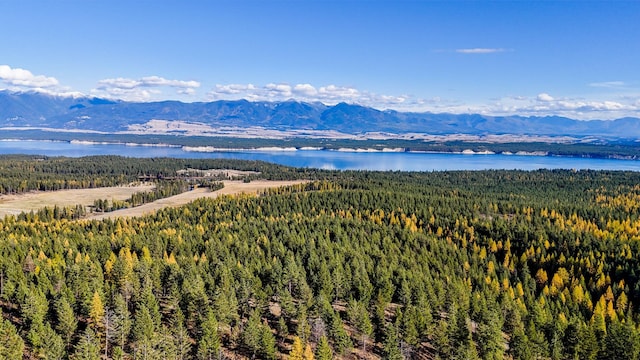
(329, 159)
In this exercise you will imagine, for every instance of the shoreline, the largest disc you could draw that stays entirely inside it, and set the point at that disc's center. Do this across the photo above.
(350, 149)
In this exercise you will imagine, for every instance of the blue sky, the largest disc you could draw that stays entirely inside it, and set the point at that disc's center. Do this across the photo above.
(571, 58)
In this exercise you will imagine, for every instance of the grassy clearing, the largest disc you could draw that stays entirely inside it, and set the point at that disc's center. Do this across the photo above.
(15, 204)
(230, 188)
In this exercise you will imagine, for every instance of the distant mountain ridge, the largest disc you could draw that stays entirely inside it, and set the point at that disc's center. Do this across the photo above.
(95, 114)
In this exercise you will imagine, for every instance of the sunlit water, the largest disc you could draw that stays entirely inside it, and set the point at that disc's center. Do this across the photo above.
(401, 161)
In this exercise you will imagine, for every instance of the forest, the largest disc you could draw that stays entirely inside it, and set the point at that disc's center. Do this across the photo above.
(350, 265)
(23, 173)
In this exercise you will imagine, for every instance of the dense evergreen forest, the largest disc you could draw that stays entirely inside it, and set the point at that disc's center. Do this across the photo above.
(392, 265)
(23, 173)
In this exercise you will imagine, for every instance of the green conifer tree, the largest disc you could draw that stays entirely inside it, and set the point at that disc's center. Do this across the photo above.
(323, 350)
(391, 347)
(209, 346)
(338, 334)
(181, 338)
(88, 347)
(67, 323)
(268, 344)
(11, 344)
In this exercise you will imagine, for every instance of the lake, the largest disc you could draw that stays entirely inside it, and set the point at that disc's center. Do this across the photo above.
(324, 159)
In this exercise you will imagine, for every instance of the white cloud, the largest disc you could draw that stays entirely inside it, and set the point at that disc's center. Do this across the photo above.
(24, 78)
(158, 81)
(128, 94)
(17, 79)
(546, 105)
(608, 84)
(63, 92)
(545, 102)
(544, 97)
(232, 89)
(329, 94)
(149, 81)
(342, 93)
(280, 88)
(142, 89)
(305, 90)
(480, 50)
(119, 83)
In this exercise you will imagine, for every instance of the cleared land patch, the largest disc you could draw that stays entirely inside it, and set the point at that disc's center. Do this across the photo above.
(230, 188)
(15, 204)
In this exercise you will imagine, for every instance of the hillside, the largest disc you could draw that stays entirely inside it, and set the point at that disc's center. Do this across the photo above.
(35, 110)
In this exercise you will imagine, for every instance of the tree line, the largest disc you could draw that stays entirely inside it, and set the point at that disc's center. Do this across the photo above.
(24, 173)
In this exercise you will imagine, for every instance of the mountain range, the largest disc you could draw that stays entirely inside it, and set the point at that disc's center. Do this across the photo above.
(37, 110)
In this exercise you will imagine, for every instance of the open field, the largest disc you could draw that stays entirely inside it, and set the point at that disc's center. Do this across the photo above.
(15, 204)
(230, 188)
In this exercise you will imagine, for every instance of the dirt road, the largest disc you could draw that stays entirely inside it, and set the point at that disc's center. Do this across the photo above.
(230, 188)
(15, 204)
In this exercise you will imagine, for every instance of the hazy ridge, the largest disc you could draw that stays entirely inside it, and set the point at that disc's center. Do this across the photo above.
(36, 110)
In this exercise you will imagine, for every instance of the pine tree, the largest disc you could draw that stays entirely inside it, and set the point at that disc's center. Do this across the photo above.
(391, 347)
(149, 300)
(35, 306)
(144, 334)
(537, 341)
(442, 336)
(96, 314)
(519, 347)
(308, 353)
(251, 334)
(571, 339)
(209, 346)
(195, 297)
(143, 325)
(181, 337)
(122, 322)
(588, 345)
(88, 347)
(622, 342)
(304, 327)
(67, 323)
(53, 345)
(225, 301)
(11, 344)
(117, 353)
(409, 325)
(460, 337)
(297, 349)
(45, 342)
(359, 316)
(323, 350)
(165, 346)
(282, 329)
(490, 336)
(339, 336)
(268, 343)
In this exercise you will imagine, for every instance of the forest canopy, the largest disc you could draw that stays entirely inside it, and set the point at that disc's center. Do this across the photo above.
(449, 265)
